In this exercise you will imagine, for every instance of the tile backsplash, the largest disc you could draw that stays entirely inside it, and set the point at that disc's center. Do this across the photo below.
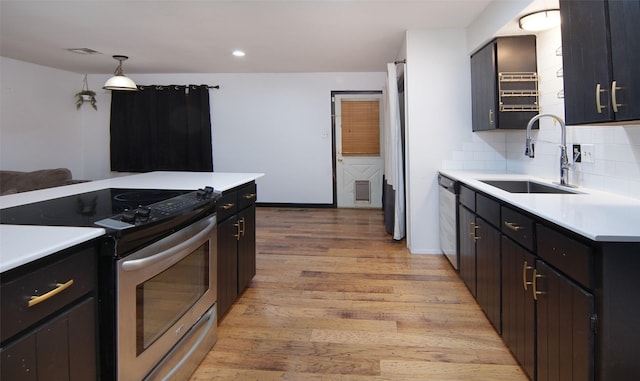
(616, 164)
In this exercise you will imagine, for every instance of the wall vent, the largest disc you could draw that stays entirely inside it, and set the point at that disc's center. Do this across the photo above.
(363, 190)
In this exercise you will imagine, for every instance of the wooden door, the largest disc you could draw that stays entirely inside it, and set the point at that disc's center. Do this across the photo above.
(488, 271)
(625, 58)
(565, 337)
(518, 305)
(227, 264)
(359, 155)
(585, 52)
(247, 247)
(468, 249)
(483, 89)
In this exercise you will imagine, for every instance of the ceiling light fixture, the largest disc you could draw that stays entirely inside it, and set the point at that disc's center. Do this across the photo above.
(540, 20)
(119, 81)
(238, 53)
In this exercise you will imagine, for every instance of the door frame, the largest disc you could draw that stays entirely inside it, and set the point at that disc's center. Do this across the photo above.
(334, 176)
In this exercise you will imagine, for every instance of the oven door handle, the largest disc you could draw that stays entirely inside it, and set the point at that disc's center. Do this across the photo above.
(137, 264)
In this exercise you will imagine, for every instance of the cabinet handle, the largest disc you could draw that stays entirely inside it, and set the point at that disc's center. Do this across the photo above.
(240, 227)
(490, 117)
(513, 226)
(249, 196)
(614, 102)
(472, 231)
(535, 284)
(228, 206)
(599, 105)
(525, 267)
(59, 288)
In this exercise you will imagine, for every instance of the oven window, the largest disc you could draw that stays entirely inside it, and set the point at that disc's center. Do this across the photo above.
(163, 299)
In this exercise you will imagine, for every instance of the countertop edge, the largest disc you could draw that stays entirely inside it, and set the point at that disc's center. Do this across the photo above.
(593, 205)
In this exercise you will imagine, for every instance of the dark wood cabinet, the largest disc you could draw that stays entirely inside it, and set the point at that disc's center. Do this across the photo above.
(247, 247)
(488, 275)
(468, 249)
(236, 214)
(227, 264)
(54, 336)
(601, 56)
(565, 336)
(566, 308)
(504, 84)
(479, 251)
(518, 305)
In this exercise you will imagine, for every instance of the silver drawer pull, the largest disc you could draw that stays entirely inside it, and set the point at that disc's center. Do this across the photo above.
(59, 288)
(513, 226)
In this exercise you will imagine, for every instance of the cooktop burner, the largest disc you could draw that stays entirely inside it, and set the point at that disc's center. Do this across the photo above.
(84, 209)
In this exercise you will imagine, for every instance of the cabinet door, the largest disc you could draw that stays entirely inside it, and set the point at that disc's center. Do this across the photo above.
(625, 57)
(227, 264)
(585, 53)
(468, 249)
(483, 88)
(61, 349)
(518, 305)
(564, 330)
(488, 271)
(247, 247)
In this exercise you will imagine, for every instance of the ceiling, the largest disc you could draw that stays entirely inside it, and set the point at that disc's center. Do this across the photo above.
(198, 36)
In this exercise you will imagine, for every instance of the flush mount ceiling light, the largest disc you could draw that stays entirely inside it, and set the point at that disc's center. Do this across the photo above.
(119, 81)
(238, 53)
(540, 20)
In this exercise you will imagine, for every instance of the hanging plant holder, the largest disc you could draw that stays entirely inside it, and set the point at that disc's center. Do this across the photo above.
(86, 95)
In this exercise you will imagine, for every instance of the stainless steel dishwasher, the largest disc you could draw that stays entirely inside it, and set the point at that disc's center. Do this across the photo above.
(449, 191)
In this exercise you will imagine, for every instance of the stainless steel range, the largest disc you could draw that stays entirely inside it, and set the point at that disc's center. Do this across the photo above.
(157, 275)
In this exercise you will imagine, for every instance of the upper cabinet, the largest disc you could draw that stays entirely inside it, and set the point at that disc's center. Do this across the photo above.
(601, 57)
(504, 84)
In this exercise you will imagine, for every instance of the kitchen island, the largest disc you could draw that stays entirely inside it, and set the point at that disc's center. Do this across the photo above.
(65, 286)
(18, 244)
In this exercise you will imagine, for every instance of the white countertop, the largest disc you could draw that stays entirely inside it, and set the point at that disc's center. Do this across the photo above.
(596, 215)
(20, 244)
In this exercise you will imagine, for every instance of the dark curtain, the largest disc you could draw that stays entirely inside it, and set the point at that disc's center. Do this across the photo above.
(161, 128)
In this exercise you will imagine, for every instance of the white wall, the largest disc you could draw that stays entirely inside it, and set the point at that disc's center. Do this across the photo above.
(279, 124)
(438, 88)
(39, 124)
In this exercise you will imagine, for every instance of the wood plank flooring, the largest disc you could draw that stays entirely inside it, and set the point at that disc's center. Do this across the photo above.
(335, 298)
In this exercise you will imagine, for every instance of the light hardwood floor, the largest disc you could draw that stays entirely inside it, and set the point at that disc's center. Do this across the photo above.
(335, 298)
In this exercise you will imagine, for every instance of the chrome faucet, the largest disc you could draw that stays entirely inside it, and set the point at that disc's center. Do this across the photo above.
(564, 159)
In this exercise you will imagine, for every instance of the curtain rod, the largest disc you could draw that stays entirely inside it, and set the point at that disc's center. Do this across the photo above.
(214, 87)
(404, 61)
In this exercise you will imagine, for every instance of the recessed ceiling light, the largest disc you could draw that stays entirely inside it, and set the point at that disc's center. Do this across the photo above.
(238, 53)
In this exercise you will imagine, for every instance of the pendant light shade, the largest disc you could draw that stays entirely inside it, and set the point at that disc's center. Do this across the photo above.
(119, 81)
(541, 20)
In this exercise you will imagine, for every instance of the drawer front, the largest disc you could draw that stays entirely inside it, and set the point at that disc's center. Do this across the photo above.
(468, 197)
(226, 206)
(488, 209)
(572, 257)
(518, 226)
(55, 286)
(247, 196)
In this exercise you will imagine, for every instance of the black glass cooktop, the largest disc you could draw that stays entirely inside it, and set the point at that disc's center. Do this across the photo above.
(85, 208)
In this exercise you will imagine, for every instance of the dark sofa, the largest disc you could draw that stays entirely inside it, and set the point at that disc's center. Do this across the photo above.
(16, 181)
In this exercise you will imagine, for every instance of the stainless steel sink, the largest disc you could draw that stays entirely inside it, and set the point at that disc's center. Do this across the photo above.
(526, 186)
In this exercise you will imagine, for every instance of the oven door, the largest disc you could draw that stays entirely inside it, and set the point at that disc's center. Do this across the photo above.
(163, 290)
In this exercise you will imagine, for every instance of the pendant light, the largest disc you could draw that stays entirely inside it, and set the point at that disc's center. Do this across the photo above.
(119, 81)
(540, 20)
